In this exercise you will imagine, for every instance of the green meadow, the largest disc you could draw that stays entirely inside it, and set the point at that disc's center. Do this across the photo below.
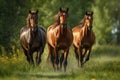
(104, 64)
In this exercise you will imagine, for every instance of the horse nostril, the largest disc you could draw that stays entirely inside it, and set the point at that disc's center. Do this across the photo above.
(89, 18)
(32, 29)
(64, 14)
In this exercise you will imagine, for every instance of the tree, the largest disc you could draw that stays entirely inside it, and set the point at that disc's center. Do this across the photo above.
(106, 21)
(102, 24)
(9, 21)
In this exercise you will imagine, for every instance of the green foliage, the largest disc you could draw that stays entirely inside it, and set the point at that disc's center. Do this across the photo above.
(105, 17)
(102, 26)
(13, 18)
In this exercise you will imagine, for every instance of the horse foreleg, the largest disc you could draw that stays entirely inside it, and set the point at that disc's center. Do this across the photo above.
(61, 60)
(81, 57)
(38, 56)
(27, 55)
(57, 59)
(48, 57)
(53, 62)
(65, 58)
(51, 55)
(30, 55)
(56, 56)
(77, 54)
(88, 56)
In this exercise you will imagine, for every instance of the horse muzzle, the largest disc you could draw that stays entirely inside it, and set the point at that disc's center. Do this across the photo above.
(34, 29)
(90, 28)
(64, 25)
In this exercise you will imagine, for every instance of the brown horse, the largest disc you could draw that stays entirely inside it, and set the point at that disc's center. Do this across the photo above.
(59, 37)
(84, 38)
(33, 38)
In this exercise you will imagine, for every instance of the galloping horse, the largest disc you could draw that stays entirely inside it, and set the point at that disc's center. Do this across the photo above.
(59, 37)
(33, 38)
(84, 38)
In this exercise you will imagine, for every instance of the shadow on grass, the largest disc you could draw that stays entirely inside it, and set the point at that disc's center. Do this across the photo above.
(49, 76)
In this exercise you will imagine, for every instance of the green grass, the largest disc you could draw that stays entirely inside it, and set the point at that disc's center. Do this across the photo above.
(104, 64)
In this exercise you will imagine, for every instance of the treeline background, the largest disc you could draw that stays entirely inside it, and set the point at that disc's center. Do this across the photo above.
(13, 13)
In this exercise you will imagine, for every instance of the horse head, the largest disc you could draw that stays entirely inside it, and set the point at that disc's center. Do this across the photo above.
(62, 18)
(32, 20)
(89, 19)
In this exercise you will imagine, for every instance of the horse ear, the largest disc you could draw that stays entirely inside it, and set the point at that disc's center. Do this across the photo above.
(67, 9)
(86, 12)
(29, 11)
(60, 9)
(91, 12)
(37, 11)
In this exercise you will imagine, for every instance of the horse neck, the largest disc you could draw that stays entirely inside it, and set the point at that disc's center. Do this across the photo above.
(61, 30)
(32, 34)
(85, 29)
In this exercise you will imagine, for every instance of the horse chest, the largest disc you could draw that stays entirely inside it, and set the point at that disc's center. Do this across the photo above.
(61, 43)
(85, 43)
(36, 43)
